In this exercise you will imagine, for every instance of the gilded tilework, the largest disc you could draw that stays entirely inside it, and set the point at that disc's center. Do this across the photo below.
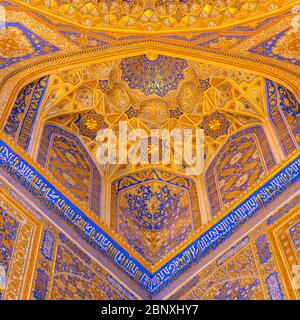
(8, 4)
(48, 245)
(17, 43)
(278, 214)
(46, 261)
(235, 279)
(23, 115)
(157, 76)
(274, 287)
(90, 123)
(248, 271)
(294, 232)
(74, 277)
(284, 110)
(96, 236)
(224, 42)
(19, 234)
(83, 40)
(219, 100)
(215, 125)
(8, 233)
(18, 109)
(290, 106)
(285, 238)
(63, 154)
(278, 118)
(260, 266)
(45, 264)
(253, 26)
(245, 157)
(68, 273)
(155, 212)
(262, 249)
(154, 218)
(283, 46)
(147, 16)
(196, 249)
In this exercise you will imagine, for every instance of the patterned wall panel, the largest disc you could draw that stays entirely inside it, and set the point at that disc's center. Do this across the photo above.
(284, 110)
(239, 274)
(232, 276)
(223, 285)
(260, 266)
(285, 235)
(294, 233)
(38, 261)
(63, 154)
(24, 112)
(154, 211)
(8, 230)
(245, 157)
(65, 272)
(290, 106)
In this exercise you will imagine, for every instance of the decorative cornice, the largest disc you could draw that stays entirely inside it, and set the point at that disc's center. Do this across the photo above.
(231, 21)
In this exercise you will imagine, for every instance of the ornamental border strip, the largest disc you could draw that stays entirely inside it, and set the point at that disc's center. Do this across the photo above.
(216, 232)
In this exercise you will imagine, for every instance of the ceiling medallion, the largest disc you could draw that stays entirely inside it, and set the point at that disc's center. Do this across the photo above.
(103, 85)
(154, 112)
(215, 125)
(131, 113)
(153, 74)
(204, 84)
(176, 114)
(90, 123)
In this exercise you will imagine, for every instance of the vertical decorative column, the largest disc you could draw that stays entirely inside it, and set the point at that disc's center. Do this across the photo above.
(203, 199)
(105, 199)
(273, 140)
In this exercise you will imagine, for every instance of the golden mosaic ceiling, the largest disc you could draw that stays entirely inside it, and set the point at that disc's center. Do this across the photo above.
(185, 94)
(87, 80)
(154, 15)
